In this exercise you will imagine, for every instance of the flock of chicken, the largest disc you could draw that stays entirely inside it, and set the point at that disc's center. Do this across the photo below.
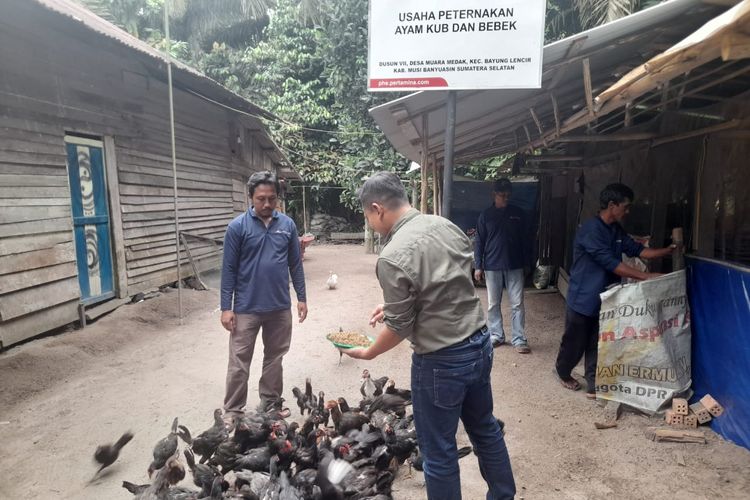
(337, 452)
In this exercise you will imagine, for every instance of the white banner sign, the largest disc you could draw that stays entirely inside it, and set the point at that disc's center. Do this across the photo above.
(644, 343)
(455, 44)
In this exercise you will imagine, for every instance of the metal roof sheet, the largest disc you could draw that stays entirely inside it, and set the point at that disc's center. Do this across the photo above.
(489, 122)
(184, 76)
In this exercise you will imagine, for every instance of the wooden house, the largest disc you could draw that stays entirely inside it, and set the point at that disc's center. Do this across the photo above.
(86, 180)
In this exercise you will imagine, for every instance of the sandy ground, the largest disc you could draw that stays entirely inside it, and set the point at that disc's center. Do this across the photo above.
(137, 369)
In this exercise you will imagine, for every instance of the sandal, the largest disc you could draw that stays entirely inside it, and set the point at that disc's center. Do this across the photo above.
(571, 384)
(590, 395)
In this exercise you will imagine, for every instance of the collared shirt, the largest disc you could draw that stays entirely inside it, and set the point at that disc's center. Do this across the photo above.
(425, 273)
(597, 251)
(257, 263)
(502, 241)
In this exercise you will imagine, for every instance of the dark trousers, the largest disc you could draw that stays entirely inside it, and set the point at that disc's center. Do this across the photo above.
(581, 338)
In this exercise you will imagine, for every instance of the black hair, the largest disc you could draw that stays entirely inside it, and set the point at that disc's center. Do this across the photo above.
(615, 193)
(502, 185)
(384, 188)
(264, 177)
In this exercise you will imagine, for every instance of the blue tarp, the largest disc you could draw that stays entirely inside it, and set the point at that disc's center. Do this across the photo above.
(719, 295)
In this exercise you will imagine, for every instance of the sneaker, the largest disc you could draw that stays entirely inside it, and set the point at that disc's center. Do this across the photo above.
(496, 342)
(523, 349)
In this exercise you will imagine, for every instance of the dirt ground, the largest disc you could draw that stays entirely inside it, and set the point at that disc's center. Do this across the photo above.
(138, 368)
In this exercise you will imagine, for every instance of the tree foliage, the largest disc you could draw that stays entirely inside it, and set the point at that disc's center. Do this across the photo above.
(306, 61)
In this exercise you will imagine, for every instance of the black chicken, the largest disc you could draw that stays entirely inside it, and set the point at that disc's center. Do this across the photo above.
(255, 482)
(344, 422)
(390, 388)
(371, 388)
(331, 473)
(301, 402)
(206, 442)
(400, 445)
(166, 447)
(226, 451)
(388, 403)
(255, 460)
(203, 475)
(106, 454)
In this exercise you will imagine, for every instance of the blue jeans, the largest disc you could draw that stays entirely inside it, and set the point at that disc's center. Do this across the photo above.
(451, 384)
(512, 280)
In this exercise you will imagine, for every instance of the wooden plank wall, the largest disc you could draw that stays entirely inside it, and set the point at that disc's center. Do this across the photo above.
(83, 83)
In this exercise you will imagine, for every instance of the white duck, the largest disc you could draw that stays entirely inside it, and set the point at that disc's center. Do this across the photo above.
(332, 280)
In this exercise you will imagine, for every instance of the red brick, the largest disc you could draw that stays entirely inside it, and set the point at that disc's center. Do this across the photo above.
(713, 407)
(680, 406)
(690, 420)
(701, 413)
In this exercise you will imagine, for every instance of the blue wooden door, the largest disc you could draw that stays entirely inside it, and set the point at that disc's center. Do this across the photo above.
(88, 191)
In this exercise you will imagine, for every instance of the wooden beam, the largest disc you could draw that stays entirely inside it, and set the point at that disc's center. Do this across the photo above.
(694, 133)
(634, 136)
(664, 97)
(587, 86)
(539, 126)
(556, 111)
(118, 239)
(724, 3)
(734, 46)
(547, 158)
(528, 136)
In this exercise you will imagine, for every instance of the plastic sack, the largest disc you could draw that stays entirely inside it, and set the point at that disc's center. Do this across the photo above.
(644, 343)
(542, 276)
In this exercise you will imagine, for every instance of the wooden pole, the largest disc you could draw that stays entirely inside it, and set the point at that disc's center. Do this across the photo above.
(174, 158)
(424, 170)
(435, 181)
(304, 208)
(450, 137)
(678, 258)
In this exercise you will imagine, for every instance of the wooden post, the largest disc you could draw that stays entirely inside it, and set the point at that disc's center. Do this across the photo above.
(556, 111)
(450, 137)
(587, 86)
(174, 158)
(304, 210)
(441, 180)
(414, 192)
(678, 258)
(435, 181)
(369, 238)
(424, 169)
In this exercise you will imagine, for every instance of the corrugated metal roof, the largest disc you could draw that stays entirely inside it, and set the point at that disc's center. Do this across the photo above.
(490, 122)
(184, 76)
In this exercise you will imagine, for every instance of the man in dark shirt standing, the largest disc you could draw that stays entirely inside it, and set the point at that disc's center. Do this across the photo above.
(261, 250)
(499, 255)
(597, 264)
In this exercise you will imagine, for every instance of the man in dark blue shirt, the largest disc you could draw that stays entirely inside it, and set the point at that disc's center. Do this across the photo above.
(499, 254)
(597, 264)
(261, 250)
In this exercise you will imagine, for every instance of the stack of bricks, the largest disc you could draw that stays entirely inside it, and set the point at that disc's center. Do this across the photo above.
(691, 416)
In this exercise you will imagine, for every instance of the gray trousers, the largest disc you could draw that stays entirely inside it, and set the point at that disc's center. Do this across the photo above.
(276, 329)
